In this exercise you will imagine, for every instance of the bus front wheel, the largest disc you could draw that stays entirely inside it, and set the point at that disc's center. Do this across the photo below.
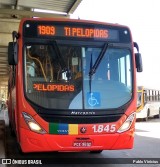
(11, 129)
(158, 115)
(148, 113)
(19, 149)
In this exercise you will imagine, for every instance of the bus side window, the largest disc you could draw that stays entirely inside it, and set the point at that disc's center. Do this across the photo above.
(153, 95)
(156, 96)
(149, 95)
(145, 96)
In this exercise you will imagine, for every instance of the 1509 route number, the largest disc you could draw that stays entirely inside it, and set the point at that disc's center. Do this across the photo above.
(104, 128)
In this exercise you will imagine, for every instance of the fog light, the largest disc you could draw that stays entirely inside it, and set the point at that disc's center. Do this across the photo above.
(127, 124)
(32, 124)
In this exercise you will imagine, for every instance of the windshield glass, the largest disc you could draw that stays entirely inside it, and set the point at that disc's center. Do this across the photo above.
(139, 99)
(52, 84)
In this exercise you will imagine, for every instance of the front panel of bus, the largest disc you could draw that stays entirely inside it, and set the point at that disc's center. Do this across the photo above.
(78, 85)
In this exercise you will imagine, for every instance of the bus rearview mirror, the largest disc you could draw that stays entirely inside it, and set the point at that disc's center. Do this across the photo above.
(12, 53)
(139, 65)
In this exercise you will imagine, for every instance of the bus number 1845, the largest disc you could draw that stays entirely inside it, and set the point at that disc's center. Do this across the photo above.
(104, 128)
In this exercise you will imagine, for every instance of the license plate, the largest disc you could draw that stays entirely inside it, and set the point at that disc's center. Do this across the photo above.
(82, 143)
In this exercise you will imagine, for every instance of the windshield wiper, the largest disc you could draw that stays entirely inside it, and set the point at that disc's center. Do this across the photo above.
(96, 64)
(98, 60)
(61, 61)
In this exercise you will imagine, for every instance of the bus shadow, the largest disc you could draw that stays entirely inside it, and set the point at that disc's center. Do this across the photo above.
(139, 130)
(150, 119)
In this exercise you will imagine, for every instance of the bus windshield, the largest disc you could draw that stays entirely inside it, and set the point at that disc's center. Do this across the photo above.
(139, 99)
(48, 85)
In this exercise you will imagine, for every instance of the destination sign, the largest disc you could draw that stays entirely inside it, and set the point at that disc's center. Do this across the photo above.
(70, 31)
(75, 30)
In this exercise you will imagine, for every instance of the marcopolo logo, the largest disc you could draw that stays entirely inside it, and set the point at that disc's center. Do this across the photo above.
(83, 113)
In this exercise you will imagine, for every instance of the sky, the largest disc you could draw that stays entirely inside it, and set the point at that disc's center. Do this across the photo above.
(143, 18)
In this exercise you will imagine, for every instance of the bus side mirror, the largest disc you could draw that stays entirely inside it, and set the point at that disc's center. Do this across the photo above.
(139, 65)
(138, 58)
(12, 53)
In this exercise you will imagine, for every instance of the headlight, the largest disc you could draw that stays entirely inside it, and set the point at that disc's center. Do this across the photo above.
(32, 124)
(127, 124)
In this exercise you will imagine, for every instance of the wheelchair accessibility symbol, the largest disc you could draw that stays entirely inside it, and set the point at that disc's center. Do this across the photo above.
(93, 99)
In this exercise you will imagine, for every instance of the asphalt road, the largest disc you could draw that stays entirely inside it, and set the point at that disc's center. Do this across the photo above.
(147, 146)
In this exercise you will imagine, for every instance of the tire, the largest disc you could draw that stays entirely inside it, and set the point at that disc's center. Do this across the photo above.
(158, 115)
(11, 129)
(96, 151)
(19, 149)
(148, 113)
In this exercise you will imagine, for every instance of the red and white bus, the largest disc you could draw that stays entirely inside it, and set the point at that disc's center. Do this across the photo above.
(72, 85)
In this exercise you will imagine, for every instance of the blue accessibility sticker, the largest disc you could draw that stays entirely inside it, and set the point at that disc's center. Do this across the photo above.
(93, 99)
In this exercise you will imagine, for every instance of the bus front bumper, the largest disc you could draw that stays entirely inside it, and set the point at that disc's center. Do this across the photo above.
(34, 142)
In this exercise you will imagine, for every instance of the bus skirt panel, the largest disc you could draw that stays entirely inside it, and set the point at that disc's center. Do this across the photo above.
(34, 142)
